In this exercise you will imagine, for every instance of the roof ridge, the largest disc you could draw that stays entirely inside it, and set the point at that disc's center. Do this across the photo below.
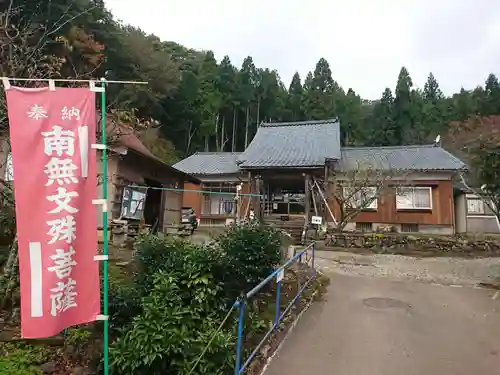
(215, 153)
(299, 123)
(388, 147)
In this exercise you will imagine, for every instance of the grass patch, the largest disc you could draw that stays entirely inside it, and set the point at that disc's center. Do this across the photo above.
(22, 359)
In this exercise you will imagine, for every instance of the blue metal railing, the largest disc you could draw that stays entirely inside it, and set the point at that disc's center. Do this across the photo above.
(277, 274)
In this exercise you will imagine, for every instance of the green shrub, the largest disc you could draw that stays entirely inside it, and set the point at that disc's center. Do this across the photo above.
(180, 294)
(251, 253)
(125, 303)
(171, 332)
(21, 359)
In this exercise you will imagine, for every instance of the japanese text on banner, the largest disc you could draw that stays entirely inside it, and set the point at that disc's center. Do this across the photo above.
(55, 183)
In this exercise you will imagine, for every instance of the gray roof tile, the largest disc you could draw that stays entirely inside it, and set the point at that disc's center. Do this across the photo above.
(423, 157)
(209, 163)
(293, 144)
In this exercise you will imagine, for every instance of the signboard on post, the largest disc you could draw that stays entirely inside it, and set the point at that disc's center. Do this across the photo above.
(51, 132)
(317, 220)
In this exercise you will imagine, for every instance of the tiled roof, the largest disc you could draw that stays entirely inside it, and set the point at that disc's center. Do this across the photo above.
(424, 157)
(209, 163)
(125, 137)
(293, 144)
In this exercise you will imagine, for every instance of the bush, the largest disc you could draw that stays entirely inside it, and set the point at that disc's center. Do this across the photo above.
(172, 330)
(180, 294)
(251, 253)
(156, 253)
(125, 303)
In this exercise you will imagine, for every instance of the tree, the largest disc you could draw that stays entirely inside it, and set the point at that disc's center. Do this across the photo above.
(463, 105)
(491, 101)
(307, 98)
(294, 100)
(247, 81)
(323, 93)
(432, 93)
(403, 116)
(349, 111)
(142, 57)
(210, 101)
(477, 142)
(383, 132)
(227, 86)
(433, 111)
(420, 112)
(358, 189)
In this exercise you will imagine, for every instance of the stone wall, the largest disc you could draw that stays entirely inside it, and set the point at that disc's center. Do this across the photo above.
(401, 243)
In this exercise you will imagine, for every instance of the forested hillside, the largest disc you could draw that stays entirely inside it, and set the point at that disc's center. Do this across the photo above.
(202, 104)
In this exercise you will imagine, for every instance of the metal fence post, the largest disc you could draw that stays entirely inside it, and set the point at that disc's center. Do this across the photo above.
(241, 305)
(313, 254)
(278, 295)
(299, 286)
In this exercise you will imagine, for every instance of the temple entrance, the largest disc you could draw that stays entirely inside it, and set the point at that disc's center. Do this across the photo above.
(284, 196)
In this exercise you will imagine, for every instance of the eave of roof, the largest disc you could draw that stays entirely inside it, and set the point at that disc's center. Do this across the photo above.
(210, 164)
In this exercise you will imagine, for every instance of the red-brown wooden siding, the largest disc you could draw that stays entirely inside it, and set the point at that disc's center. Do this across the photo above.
(441, 213)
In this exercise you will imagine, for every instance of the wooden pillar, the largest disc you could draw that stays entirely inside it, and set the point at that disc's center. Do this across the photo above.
(258, 199)
(326, 188)
(307, 206)
(250, 198)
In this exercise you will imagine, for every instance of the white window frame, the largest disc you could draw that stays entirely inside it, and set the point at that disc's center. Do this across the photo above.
(133, 203)
(480, 205)
(227, 192)
(401, 206)
(356, 203)
(486, 210)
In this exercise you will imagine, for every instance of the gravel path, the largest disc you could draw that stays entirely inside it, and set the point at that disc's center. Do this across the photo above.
(447, 271)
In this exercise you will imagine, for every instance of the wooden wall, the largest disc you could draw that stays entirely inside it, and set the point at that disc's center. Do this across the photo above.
(441, 213)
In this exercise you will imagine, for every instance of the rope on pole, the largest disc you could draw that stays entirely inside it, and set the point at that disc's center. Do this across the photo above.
(193, 191)
(73, 80)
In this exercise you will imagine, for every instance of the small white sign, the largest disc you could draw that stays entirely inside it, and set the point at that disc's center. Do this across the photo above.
(280, 275)
(275, 206)
(316, 220)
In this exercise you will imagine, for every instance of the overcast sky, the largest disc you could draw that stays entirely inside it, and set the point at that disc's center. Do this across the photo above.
(365, 41)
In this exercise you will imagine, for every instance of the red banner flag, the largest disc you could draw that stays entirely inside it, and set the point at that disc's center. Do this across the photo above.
(54, 184)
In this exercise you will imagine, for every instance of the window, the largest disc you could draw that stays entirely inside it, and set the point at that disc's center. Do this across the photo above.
(133, 203)
(219, 199)
(409, 228)
(225, 206)
(205, 208)
(364, 227)
(361, 197)
(414, 198)
(475, 206)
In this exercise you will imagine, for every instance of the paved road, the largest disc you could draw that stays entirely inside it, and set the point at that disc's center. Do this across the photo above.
(441, 270)
(374, 326)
